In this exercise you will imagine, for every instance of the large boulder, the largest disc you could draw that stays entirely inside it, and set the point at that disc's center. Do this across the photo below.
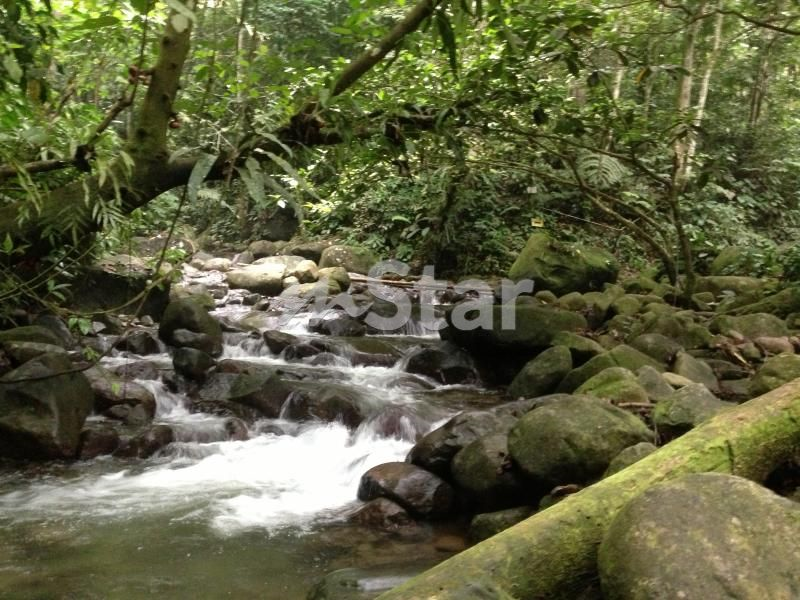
(751, 326)
(572, 440)
(337, 323)
(326, 403)
(581, 348)
(280, 223)
(542, 374)
(695, 370)
(265, 278)
(421, 493)
(619, 356)
(31, 333)
(119, 399)
(189, 316)
(42, 409)
(774, 373)
(563, 267)
(435, 451)
(119, 283)
(678, 327)
(352, 258)
(725, 285)
(706, 535)
(485, 525)
(484, 471)
(629, 456)
(685, 409)
(447, 364)
(527, 329)
(617, 385)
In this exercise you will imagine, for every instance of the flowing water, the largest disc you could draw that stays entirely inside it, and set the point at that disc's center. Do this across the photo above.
(211, 518)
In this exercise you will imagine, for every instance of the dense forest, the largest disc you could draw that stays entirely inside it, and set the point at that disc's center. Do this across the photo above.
(181, 180)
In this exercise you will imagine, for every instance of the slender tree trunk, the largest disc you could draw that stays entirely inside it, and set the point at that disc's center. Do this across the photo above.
(758, 92)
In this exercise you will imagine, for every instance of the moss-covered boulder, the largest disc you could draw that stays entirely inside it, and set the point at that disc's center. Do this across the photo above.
(482, 470)
(722, 286)
(620, 356)
(190, 316)
(653, 383)
(629, 456)
(616, 385)
(264, 278)
(750, 326)
(695, 370)
(563, 267)
(518, 327)
(542, 374)
(774, 373)
(679, 327)
(732, 259)
(485, 525)
(572, 440)
(705, 535)
(657, 346)
(42, 409)
(581, 348)
(352, 258)
(685, 409)
(31, 333)
(781, 305)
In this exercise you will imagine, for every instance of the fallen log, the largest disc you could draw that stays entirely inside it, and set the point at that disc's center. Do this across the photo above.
(553, 554)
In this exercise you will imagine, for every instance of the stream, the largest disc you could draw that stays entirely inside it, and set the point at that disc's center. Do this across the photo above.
(208, 518)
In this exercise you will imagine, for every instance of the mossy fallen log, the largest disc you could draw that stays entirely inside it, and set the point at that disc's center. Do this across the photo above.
(553, 554)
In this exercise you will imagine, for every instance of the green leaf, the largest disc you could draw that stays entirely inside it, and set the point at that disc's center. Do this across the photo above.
(198, 175)
(12, 67)
(292, 172)
(141, 6)
(8, 244)
(253, 179)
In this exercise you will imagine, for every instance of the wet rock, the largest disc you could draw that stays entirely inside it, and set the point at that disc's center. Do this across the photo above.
(685, 409)
(327, 404)
(147, 443)
(436, 450)
(542, 374)
(446, 363)
(43, 419)
(360, 584)
(563, 268)
(421, 493)
(263, 391)
(352, 258)
(236, 429)
(484, 471)
(774, 373)
(485, 525)
(705, 535)
(191, 363)
(135, 415)
(337, 323)
(629, 456)
(139, 342)
(615, 384)
(98, 440)
(572, 440)
(196, 292)
(111, 390)
(190, 316)
(183, 338)
(383, 514)
(137, 369)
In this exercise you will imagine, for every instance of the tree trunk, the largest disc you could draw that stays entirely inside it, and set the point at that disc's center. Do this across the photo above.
(553, 554)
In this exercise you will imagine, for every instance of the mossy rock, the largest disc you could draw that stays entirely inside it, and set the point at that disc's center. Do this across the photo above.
(629, 456)
(616, 385)
(542, 374)
(621, 356)
(680, 328)
(695, 370)
(572, 440)
(685, 409)
(774, 373)
(705, 535)
(750, 326)
(563, 268)
(485, 525)
(352, 258)
(581, 348)
(657, 346)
